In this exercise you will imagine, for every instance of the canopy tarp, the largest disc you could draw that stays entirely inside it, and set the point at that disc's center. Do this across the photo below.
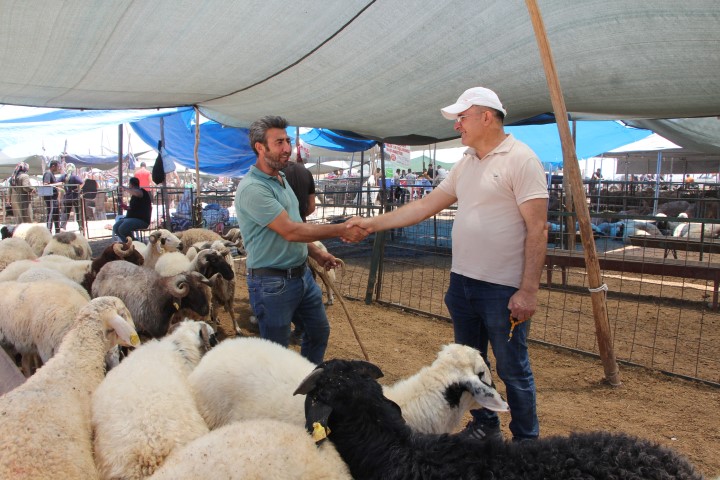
(35, 164)
(381, 69)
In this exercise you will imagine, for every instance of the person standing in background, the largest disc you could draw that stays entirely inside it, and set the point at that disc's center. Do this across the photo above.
(21, 193)
(145, 176)
(71, 200)
(303, 185)
(52, 205)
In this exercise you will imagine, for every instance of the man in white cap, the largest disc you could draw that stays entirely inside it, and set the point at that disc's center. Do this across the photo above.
(499, 241)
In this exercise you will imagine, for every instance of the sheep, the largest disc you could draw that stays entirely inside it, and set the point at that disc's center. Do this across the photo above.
(695, 230)
(13, 249)
(259, 376)
(159, 242)
(345, 404)
(254, 449)
(151, 299)
(192, 236)
(81, 271)
(45, 430)
(69, 244)
(222, 286)
(34, 317)
(141, 414)
(42, 273)
(35, 234)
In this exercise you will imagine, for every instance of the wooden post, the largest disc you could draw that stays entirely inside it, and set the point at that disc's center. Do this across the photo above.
(198, 205)
(120, 168)
(602, 325)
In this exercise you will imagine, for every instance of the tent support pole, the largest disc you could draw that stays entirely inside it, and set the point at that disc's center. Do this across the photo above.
(120, 165)
(198, 204)
(658, 172)
(597, 295)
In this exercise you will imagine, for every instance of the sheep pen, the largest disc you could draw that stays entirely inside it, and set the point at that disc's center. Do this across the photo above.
(572, 395)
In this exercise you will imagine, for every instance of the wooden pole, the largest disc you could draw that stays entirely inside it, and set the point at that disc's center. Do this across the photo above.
(120, 167)
(198, 205)
(597, 295)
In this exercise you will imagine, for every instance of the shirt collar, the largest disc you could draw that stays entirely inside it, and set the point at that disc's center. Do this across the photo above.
(503, 147)
(260, 174)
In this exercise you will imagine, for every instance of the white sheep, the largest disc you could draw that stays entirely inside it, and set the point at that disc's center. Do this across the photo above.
(144, 409)
(14, 249)
(34, 317)
(36, 235)
(246, 378)
(69, 244)
(43, 273)
(75, 270)
(159, 242)
(255, 449)
(45, 422)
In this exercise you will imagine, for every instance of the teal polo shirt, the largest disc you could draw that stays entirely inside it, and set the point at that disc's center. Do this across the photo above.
(259, 199)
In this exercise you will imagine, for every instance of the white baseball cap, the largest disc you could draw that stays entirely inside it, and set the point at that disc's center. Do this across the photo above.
(473, 96)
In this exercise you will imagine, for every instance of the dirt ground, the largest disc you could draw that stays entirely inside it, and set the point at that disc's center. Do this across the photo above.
(572, 395)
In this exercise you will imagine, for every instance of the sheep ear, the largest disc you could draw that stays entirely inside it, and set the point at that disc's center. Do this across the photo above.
(125, 331)
(369, 369)
(487, 396)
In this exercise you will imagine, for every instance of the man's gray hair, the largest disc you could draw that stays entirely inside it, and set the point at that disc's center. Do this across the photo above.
(259, 128)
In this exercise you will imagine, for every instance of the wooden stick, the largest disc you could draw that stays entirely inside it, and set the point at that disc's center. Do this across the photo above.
(326, 279)
(602, 325)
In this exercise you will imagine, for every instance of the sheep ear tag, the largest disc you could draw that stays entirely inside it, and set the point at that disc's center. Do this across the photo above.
(125, 331)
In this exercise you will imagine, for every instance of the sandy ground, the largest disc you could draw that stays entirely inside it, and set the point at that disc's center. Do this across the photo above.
(572, 393)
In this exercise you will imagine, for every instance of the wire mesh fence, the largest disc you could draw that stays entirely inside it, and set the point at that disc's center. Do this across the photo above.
(661, 302)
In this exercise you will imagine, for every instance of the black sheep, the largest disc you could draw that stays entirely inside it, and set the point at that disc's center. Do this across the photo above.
(372, 438)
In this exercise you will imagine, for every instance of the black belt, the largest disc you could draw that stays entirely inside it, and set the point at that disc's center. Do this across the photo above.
(296, 272)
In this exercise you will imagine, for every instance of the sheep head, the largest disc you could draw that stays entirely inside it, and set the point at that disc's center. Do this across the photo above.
(123, 250)
(116, 318)
(211, 262)
(333, 385)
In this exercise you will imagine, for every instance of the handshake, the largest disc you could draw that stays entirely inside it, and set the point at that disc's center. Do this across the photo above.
(356, 229)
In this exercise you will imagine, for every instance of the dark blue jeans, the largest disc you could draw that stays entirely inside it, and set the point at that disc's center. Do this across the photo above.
(124, 227)
(480, 314)
(276, 300)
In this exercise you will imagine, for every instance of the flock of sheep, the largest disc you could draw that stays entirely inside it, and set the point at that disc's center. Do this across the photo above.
(181, 405)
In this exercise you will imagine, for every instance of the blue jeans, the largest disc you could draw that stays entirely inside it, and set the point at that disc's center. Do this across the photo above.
(276, 300)
(124, 227)
(480, 313)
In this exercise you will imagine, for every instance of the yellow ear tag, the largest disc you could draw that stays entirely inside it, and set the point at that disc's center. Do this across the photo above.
(134, 340)
(319, 433)
(176, 305)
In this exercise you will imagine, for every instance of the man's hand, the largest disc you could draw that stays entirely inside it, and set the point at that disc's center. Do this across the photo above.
(361, 222)
(324, 259)
(522, 304)
(353, 231)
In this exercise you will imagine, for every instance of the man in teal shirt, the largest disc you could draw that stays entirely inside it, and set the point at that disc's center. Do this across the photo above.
(278, 244)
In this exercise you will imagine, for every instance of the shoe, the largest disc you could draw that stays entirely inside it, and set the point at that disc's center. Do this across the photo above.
(481, 432)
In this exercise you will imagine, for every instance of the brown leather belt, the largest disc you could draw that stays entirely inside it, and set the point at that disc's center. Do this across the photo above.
(295, 272)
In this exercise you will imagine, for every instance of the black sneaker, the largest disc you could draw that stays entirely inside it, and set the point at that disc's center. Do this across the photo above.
(481, 432)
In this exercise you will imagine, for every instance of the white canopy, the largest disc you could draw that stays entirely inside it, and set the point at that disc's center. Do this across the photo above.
(380, 68)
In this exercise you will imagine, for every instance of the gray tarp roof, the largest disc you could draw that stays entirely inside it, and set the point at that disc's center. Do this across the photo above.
(380, 68)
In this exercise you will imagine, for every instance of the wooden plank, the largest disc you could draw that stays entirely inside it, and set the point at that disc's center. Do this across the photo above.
(675, 243)
(638, 264)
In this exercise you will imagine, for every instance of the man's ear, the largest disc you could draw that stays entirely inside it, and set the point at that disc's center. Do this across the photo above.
(260, 147)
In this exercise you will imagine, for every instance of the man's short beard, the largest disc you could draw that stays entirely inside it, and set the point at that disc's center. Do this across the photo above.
(273, 161)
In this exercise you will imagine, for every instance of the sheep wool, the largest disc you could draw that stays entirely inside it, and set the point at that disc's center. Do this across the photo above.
(35, 234)
(253, 450)
(69, 244)
(144, 409)
(45, 423)
(13, 249)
